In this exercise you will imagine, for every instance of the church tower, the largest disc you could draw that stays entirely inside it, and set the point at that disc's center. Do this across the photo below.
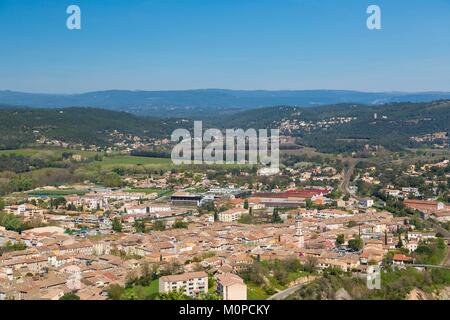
(298, 231)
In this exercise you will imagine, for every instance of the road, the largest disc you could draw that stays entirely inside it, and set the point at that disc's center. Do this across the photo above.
(426, 266)
(286, 293)
(347, 175)
(446, 261)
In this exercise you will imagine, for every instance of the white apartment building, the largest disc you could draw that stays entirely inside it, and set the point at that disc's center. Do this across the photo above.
(231, 215)
(192, 283)
(147, 209)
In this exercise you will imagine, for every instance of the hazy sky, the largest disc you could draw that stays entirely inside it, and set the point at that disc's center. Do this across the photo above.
(235, 44)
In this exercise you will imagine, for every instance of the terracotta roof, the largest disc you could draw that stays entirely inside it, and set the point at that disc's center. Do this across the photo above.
(184, 276)
(401, 257)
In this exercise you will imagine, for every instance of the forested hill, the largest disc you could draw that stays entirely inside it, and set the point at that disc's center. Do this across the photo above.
(392, 112)
(334, 128)
(23, 126)
(348, 127)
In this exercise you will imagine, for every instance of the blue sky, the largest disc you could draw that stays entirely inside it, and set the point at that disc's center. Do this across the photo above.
(235, 44)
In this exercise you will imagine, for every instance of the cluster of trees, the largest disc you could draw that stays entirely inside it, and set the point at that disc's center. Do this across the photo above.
(276, 217)
(20, 183)
(139, 226)
(18, 163)
(431, 252)
(356, 244)
(397, 208)
(180, 224)
(11, 182)
(9, 246)
(340, 240)
(117, 224)
(70, 296)
(111, 180)
(12, 222)
(280, 272)
(158, 225)
(396, 285)
(180, 295)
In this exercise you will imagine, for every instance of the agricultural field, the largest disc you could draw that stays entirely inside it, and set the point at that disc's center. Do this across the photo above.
(131, 161)
(57, 152)
(24, 152)
(57, 193)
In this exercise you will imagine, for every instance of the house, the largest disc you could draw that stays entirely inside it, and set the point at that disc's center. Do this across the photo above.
(256, 203)
(366, 203)
(414, 191)
(231, 287)
(427, 208)
(191, 283)
(412, 245)
(88, 202)
(240, 262)
(401, 259)
(393, 193)
(443, 216)
(24, 210)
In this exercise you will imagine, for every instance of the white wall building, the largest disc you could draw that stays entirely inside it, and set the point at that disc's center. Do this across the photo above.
(192, 283)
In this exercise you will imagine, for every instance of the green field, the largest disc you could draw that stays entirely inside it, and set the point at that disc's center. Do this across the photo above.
(130, 161)
(255, 292)
(142, 293)
(23, 152)
(48, 151)
(58, 192)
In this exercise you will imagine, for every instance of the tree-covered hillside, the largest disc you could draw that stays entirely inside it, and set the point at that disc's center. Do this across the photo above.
(349, 127)
(334, 128)
(20, 127)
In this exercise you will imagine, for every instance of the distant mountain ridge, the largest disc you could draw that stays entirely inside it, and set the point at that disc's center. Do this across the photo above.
(207, 102)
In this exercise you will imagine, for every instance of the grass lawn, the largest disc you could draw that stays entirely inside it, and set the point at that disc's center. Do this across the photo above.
(142, 293)
(274, 283)
(255, 292)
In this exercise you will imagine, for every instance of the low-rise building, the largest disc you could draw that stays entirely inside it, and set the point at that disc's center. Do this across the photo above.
(191, 283)
(231, 215)
(231, 287)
